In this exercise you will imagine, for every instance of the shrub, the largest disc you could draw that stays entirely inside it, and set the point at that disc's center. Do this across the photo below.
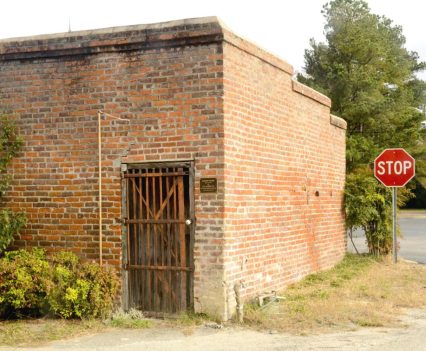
(24, 282)
(368, 205)
(32, 285)
(81, 290)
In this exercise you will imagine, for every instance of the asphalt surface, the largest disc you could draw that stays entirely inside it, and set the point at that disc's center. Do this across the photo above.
(413, 242)
(410, 337)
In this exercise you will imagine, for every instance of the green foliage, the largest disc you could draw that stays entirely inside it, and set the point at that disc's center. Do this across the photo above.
(10, 224)
(370, 76)
(81, 290)
(10, 144)
(24, 282)
(32, 285)
(420, 197)
(368, 205)
(367, 72)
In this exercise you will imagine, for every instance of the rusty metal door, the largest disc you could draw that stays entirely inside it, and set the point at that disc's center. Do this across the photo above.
(159, 236)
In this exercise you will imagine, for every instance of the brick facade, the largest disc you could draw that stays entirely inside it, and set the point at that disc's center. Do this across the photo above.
(190, 90)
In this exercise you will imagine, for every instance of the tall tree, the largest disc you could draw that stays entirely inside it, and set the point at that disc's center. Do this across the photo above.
(370, 76)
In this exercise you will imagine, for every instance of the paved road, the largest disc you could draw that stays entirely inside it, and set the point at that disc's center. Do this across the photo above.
(413, 243)
(411, 337)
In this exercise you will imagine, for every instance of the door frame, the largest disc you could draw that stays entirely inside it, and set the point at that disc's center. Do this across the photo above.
(190, 165)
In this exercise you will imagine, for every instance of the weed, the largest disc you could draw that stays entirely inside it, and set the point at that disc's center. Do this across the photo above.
(133, 319)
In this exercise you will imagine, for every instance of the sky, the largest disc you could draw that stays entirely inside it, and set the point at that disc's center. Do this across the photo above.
(282, 27)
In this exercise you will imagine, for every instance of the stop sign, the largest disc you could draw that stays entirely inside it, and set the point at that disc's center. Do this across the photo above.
(394, 167)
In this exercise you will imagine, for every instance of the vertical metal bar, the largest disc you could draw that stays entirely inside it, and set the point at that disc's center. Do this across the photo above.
(160, 216)
(394, 207)
(140, 225)
(125, 239)
(140, 239)
(154, 211)
(181, 222)
(128, 216)
(191, 235)
(130, 244)
(182, 241)
(134, 216)
(143, 272)
(169, 261)
(161, 228)
(176, 281)
(133, 238)
(138, 236)
(147, 304)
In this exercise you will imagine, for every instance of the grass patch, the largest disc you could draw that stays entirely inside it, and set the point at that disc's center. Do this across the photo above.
(133, 319)
(360, 291)
(37, 332)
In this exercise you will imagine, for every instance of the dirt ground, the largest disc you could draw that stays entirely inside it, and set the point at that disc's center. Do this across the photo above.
(411, 337)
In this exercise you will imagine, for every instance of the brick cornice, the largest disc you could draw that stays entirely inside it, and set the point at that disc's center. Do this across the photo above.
(311, 93)
(149, 36)
(338, 122)
(256, 51)
(195, 31)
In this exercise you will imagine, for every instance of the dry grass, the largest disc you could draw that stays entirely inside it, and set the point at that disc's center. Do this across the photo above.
(40, 331)
(361, 291)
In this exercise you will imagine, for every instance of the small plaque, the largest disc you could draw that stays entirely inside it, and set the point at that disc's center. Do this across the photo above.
(208, 185)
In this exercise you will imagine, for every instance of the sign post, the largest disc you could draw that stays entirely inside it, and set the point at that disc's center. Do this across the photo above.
(394, 221)
(394, 168)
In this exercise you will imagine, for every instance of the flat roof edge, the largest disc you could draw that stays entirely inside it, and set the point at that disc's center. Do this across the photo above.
(157, 35)
(117, 29)
(192, 31)
(311, 93)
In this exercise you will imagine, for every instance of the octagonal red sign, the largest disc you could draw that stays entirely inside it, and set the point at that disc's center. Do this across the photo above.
(394, 167)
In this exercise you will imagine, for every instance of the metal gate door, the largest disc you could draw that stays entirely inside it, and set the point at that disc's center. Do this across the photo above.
(159, 255)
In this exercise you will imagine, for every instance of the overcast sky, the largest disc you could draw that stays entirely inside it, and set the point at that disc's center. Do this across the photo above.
(282, 27)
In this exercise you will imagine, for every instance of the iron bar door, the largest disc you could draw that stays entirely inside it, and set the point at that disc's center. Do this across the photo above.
(159, 237)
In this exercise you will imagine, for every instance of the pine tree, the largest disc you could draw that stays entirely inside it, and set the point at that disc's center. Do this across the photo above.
(370, 76)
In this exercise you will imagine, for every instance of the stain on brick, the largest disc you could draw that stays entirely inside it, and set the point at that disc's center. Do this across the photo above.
(191, 90)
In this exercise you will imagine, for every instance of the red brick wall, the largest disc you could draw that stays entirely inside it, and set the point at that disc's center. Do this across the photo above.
(172, 97)
(191, 91)
(284, 174)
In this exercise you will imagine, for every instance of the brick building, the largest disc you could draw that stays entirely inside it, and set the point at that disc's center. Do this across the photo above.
(219, 171)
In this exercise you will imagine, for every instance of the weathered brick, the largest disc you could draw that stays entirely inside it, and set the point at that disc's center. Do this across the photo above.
(190, 90)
